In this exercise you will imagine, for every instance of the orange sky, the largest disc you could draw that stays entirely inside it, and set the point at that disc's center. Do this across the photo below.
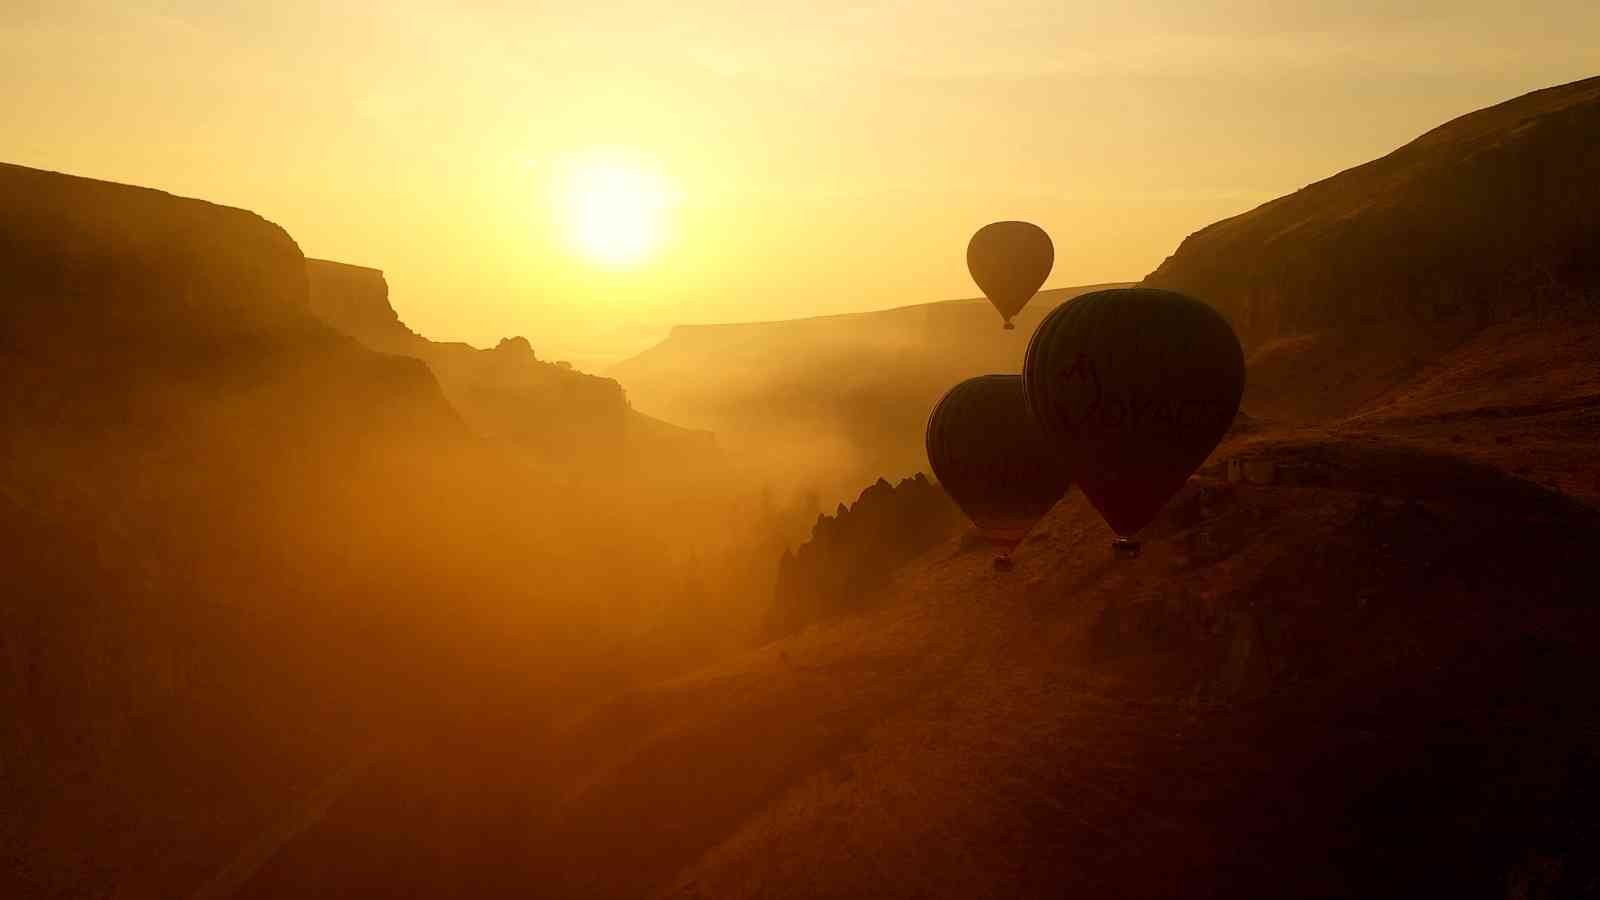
(822, 158)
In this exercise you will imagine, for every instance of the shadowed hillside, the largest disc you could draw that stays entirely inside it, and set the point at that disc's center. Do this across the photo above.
(832, 402)
(1446, 293)
(1375, 685)
(1484, 218)
(105, 257)
(1362, 673)
(244, 554)
(558, 415)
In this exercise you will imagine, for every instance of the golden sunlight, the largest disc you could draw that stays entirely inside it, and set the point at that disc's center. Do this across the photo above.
(612, 209)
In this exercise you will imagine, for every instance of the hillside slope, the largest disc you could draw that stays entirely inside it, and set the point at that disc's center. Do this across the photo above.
(1375, 686)
(1486, 217)
(1445, 294)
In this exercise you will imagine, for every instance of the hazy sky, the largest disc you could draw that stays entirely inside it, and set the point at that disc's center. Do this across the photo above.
(822, 157)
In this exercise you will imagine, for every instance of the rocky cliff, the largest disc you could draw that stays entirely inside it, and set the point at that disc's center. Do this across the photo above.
(355, 300)
(85, 256)
(124, 298)
(548, 409)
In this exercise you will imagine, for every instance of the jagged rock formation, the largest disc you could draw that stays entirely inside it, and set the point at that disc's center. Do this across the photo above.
(855, 551)
(548, 409)
(355, 300)
(1483, 218)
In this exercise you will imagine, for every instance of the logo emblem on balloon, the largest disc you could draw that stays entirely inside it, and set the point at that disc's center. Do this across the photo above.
(1134, 388)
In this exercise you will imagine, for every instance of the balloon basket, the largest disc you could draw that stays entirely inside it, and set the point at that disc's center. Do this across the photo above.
(1003, 564)
(1123, 548)
(1009, 327)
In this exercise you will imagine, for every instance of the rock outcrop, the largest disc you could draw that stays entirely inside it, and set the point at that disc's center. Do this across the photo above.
(548, 409)
(355, 301)
(85, 257)
(122, 298)
(854, 552)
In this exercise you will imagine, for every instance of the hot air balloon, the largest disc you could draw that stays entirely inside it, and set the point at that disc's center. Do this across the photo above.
(990, 457)
(1134, 387)
(1010, 261)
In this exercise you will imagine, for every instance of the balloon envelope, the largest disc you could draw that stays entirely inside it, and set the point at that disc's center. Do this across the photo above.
(990, 457)
(1010, 261)
(1134, 387)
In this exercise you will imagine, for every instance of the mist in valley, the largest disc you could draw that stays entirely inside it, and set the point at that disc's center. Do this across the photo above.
(303, 597)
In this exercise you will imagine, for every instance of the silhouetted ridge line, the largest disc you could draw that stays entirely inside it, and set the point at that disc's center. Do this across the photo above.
(1481, 219)
(94, 256)
(547, 409)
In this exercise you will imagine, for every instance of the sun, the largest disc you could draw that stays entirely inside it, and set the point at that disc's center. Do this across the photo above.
(612, 209)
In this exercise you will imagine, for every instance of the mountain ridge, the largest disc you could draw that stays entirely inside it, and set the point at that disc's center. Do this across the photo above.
(1477, 220)
(1049, 296)
(824, 404)
(552, 411)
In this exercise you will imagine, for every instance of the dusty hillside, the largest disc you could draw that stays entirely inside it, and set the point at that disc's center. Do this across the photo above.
(1445, 295)
(1484, 218)
(833, 402)
(1340, 710)
(1370, 684)
(556, 414)
(1367, 677)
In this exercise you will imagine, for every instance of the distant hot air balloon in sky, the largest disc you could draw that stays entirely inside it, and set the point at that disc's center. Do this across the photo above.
(1010, 261)
(1134, 387)
(991, 458)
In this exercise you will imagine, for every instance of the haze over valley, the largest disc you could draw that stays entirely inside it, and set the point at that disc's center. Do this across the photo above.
(308, 598)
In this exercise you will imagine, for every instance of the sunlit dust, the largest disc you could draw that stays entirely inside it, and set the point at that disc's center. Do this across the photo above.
(613, 210)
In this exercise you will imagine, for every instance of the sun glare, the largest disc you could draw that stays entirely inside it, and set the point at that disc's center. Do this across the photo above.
(613, 210)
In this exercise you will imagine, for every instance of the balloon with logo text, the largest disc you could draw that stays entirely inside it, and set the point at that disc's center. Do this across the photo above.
(1134, 387)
